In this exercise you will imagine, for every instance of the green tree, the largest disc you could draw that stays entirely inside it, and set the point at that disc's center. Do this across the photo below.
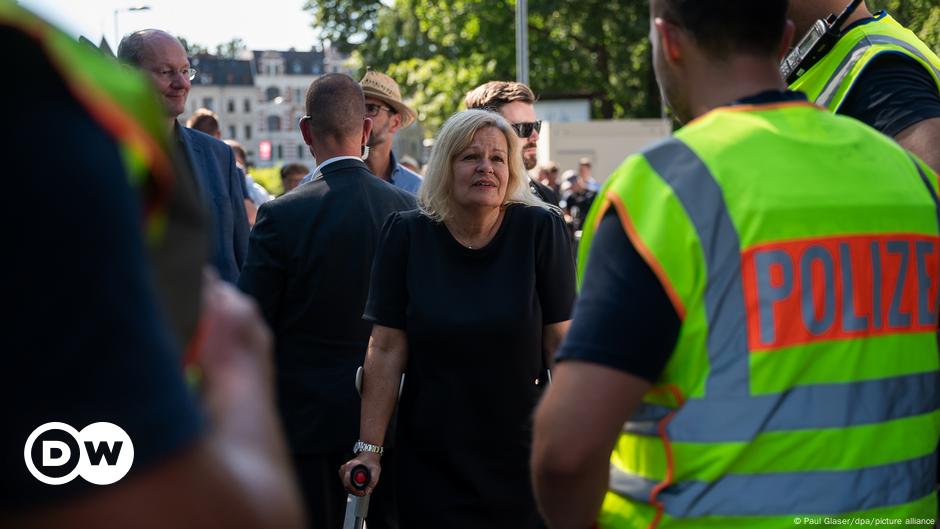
(920, 16)
(193, 48)
(230, 49)
(438, 50)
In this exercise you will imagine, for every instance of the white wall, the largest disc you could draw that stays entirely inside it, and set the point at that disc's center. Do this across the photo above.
(606, 143)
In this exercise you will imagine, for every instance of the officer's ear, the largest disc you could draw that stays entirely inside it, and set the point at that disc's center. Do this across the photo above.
(786, 42)
(670, 39)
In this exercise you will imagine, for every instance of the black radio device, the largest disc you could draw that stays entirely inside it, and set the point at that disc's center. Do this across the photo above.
(817, 42)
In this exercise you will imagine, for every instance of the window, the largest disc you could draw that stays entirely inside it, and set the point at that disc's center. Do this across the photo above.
(247, 132)
(274, 123)
(231, 106)
(300, 152)
(207, 102)
(316, 69)
(232, 132)
(299, 95)
(247, 106)
(272, 92)
(280, 151)
(296, 67)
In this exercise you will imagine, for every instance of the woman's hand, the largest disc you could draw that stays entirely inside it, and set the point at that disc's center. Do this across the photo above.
(372, 461)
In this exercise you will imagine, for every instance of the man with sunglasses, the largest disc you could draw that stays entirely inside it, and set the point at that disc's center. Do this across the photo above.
(163, 59)
(389, 114)
(515, 102)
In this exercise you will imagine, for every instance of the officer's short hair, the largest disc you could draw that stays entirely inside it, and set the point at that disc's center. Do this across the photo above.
(724, 26)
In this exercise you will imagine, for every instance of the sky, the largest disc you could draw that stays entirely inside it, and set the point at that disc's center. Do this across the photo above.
(262, 24)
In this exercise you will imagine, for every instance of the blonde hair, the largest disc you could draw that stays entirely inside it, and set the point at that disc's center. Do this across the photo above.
(436, 198)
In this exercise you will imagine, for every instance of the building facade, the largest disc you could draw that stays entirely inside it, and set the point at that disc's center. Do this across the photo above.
(260, 99)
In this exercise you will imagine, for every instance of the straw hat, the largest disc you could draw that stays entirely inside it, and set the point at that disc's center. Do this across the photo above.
(383, 87)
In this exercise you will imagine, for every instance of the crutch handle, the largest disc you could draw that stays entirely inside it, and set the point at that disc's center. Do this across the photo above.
(360, 477)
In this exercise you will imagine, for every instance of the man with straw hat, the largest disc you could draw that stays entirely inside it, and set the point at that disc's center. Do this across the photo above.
(389, 114)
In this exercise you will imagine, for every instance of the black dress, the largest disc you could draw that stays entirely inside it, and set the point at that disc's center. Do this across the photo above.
(473, 320)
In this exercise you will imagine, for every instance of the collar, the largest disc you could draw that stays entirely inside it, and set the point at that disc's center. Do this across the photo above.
(319, 170)
(878, 16)
(769, 97)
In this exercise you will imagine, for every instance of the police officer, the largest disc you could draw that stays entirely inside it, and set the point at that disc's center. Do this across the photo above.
(97, 333)
(755, 338)
(877, 72)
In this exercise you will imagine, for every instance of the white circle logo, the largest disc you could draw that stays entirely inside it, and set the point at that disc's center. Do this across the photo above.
(102, 453)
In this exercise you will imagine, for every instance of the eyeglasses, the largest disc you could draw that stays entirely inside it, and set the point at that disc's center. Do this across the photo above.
(169, 74)
(524, 130)
(372, 109)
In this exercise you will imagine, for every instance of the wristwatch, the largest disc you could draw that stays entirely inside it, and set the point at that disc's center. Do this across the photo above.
(362, 446)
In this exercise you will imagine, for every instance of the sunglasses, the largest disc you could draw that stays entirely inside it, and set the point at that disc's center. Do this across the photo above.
(524, 130)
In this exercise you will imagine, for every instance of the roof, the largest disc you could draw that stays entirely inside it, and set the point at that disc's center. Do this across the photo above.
(218, 71)
(295, 62)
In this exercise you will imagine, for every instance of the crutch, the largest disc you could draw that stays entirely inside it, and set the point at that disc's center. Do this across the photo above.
(357, 507)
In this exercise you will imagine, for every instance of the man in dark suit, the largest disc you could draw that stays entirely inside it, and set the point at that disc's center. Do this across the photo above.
(309, 261)
(164, 60)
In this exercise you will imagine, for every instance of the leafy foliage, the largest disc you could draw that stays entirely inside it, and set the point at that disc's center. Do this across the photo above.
(438, 49)
(920, 16)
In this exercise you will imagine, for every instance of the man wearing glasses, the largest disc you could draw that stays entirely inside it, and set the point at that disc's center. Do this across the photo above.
(389, 114)
(161, 56)
(515, 102)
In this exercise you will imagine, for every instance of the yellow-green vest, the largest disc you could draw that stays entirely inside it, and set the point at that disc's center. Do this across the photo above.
(830, 80)
(804, 383)
(123, 103)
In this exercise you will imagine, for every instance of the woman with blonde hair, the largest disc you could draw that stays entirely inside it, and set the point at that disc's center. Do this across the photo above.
(471, 295)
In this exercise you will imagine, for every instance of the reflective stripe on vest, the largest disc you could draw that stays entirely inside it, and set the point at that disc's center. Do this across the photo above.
(726, 449)
(850, 61)
(829, 82)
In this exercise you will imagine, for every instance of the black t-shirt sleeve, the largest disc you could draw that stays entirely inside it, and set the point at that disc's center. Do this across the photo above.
(554, 281)
(388, 292)
(90, 342)
(623, 318)
(893, 93)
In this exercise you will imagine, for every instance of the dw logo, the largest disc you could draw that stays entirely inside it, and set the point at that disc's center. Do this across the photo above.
(102, 453)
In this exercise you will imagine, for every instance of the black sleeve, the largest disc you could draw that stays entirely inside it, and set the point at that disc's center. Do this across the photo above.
(238, 192)
(87, 341)
(388, 291)
(623, 318)
(554, 278)
(893, 93)
(265, 273)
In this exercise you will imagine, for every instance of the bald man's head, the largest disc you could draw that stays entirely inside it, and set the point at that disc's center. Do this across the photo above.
(163, 58)
(336, 107)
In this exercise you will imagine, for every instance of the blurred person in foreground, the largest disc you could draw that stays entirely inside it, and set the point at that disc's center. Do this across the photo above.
(309, 264)
(470, 295)
(123, 216)
(755, 340)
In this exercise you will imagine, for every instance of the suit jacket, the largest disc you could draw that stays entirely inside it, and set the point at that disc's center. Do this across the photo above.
(308, 266)
(213, 165)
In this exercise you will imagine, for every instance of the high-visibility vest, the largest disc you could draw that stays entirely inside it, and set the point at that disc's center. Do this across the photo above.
(830, 80)
(800, 250)
(122, 102)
